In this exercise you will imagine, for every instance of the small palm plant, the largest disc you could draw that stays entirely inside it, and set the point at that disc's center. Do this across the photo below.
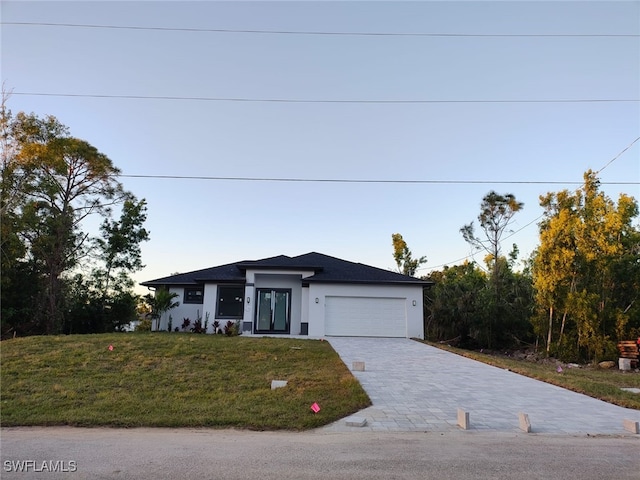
(161, 303)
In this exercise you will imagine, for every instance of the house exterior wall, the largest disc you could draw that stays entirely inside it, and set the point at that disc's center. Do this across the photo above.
(289, 282)
(209, 305)
(193, 311)
(304, 309)
(410, 293)
(182, 311)
(264, 278)
(304, 318)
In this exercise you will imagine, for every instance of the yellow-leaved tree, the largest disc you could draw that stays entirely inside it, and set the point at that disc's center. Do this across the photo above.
(586, 272)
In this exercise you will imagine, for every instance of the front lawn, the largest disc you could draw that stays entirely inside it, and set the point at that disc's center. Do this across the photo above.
(174, 380)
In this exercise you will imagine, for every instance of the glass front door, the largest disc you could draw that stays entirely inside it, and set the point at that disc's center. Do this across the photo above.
(273, 307)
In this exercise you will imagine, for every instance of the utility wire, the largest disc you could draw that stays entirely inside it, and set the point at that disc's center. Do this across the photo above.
(618, 156)
(511, 234)
(344, 180)
(291, 100)
(419, 182)
(326, 33)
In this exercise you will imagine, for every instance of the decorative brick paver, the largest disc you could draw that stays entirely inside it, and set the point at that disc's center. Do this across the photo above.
(416, 387)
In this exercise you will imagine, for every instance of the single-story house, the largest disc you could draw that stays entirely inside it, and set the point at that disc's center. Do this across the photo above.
(312, 294)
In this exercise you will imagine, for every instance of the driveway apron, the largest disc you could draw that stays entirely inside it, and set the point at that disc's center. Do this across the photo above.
(416, 387)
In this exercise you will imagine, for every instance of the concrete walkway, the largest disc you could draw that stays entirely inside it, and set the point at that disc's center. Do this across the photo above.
(416, 387)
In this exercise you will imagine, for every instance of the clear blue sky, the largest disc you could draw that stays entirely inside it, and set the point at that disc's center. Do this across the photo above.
(200, 223)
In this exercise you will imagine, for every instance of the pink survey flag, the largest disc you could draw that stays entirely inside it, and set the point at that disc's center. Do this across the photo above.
(559, 369)
(111, 348)
(315, 407)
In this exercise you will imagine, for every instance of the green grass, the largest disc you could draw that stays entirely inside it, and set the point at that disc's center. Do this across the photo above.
(604, 384)
(174, 380)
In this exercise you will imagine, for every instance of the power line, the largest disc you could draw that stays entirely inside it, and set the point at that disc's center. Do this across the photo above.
(511, 234)
(292, 100)
(619, 155)
(344, 180)
(327, 33)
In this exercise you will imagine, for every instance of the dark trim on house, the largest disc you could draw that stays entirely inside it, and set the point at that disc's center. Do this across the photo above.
(193, 295)
(227, 310)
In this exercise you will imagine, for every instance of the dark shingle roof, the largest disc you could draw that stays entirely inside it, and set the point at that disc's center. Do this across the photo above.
(327, 270)
(336, 270)
(229, 273)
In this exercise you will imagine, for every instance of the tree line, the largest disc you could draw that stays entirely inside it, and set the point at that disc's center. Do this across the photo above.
(576, 296)
(56, 277)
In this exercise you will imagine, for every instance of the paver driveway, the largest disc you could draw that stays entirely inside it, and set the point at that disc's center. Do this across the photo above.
(416, 387)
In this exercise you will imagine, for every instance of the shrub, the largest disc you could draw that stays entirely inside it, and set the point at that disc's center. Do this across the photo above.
(232, 328)
(144, 325)
(197, 326)
(185, 323)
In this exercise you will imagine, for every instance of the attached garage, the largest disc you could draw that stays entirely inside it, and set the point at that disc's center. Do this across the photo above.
(365, 316)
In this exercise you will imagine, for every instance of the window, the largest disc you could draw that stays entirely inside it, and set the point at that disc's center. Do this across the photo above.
(193, 295)
(230, 302)
(273, 310)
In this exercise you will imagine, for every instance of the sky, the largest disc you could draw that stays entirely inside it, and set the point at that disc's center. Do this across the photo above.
(502, 99)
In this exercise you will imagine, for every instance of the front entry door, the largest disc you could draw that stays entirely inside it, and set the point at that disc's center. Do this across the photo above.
(273, 310)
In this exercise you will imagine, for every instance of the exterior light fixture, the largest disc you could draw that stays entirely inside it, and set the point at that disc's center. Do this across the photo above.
(248, 299)
(317, 300)
(414, 303)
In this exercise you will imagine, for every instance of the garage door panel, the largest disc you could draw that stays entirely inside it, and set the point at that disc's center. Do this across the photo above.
(365, 316)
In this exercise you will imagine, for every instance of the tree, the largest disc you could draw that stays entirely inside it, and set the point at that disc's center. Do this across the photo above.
(462, 308)
(586, 271)
(87, 310)
(101, 299)
(70, 181)
(497, 212)
(18, 281)
(161, 303)
(407, 265)
(455, 310)
(119, 248)
(51, 183)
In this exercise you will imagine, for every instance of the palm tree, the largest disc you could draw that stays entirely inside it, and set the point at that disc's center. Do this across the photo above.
(160, 303)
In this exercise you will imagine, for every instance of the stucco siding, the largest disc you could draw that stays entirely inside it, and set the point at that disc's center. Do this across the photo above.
(409, 294)
(184, 310)
(288, 282)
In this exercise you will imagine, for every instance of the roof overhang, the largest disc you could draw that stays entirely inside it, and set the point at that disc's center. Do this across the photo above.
(417, 283)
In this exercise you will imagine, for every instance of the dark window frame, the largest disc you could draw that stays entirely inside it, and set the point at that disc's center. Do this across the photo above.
(196, 299)
(241, 303)
(289, 293)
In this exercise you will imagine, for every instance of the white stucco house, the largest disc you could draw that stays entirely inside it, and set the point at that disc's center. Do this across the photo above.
(312, 294)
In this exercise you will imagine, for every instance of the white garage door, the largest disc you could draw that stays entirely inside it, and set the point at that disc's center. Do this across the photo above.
(365, 317)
